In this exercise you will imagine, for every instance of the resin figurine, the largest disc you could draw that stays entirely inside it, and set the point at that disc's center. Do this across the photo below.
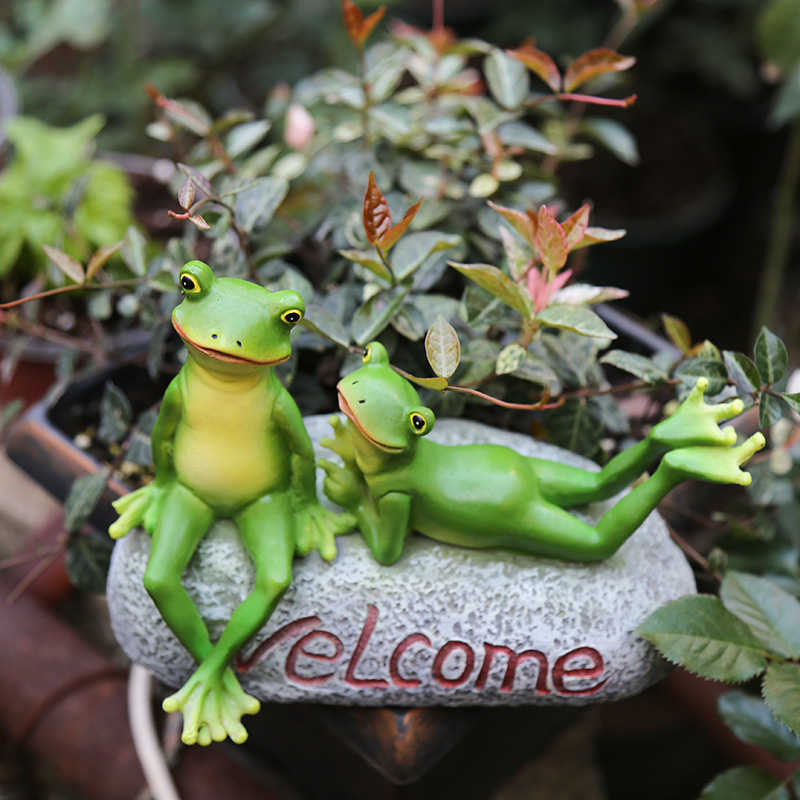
(229, 442)
(489, 496)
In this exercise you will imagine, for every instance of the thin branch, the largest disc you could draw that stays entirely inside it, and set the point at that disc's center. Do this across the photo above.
(75, 287)
(49, 334)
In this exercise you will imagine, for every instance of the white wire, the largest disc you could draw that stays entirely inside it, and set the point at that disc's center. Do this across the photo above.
(145, 739)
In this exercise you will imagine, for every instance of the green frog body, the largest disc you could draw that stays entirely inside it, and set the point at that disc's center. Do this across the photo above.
(229, 442)
(488, 496)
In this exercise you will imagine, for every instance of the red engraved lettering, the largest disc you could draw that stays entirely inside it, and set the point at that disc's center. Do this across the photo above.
(363, 641)
(288, 631)
(514, 660)
(561, 671)
(442, 656)
(394, 662)
(299, 649)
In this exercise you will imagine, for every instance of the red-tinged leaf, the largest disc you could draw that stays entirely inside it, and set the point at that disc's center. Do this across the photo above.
(99, 258)
(539, 63)
(197, 220)
(198, 179)
(678, 332)
(353, 20)
(534, 219)
(394, 233)
(551, 242)
(599, 235)
(596, 62)
(70, 266)
(522, 223)
(377, 219)
(370, 22)
(575, 227)
(186, 194)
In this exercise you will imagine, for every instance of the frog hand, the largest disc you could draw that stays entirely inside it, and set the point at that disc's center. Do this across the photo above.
(341, 444)
(317, 528)
(212, 706)
(717, 464)
(344, 486)
(141, 507)
(696, 423)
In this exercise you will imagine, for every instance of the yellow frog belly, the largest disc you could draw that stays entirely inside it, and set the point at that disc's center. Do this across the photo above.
(228, 449)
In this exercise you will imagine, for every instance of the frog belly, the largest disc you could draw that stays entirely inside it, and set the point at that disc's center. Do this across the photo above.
(229, 467)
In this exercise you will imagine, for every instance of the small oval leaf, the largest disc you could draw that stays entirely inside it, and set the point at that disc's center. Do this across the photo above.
(443, 347)
(70, 266)
(593, 63)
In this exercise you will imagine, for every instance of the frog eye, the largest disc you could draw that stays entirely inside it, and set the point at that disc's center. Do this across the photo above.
(367, 354)
(292, 316)
(189, 284)
(418, 422)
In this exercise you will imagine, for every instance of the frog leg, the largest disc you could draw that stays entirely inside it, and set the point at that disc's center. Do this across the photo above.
(184, 520)
(212, 701)
(549, 530)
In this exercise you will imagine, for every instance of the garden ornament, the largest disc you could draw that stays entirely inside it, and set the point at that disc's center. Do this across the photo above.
(488, 496)
(229, 442)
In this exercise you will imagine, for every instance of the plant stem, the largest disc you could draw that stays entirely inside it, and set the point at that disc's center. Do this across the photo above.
(43, 332)
(780, 234)
(76, 287)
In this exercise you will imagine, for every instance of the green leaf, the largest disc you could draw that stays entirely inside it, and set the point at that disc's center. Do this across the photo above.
(87, 561)
(786, 106)
(793, 400)
(368, 260)
(772, 614)
(575, 427)
(443, 348)
(499, 284)
(243, 138)
(371, 318)
(752, 721)
(742, 371)
(689, 371)
(509, 359)
(134, 252)
(771, 357)
(70, 266)
(141, 450)
(83, 496)
(415, 248)
(116, 414)
(257, 202)
(507, 78)
(700, 634)
(100, 257)
(616, 138)
(578, 319)
(638, 365)
(520, 134)
(483, 185)
(778, 32)
(769, 410)
(678, 332)
(745, 783)
(781, 691)
(434, 384)
(325, 324)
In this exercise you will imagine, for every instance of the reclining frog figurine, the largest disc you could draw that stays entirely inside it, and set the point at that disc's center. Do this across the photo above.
(488, 496)
(229, 442)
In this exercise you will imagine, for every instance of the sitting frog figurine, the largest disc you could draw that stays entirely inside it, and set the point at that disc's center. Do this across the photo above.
(488, 496)
(229, 442)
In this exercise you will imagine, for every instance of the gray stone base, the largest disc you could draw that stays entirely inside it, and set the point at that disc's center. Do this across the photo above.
(443, 626)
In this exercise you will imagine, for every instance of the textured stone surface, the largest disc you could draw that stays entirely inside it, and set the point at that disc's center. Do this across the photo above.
(341, 633)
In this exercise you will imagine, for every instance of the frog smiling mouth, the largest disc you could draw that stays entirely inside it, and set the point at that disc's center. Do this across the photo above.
(220, 355)
(348, 412)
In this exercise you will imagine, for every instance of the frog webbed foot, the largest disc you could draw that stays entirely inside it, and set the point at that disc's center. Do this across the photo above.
(696, 423)
(316, 528)
(717, 464)
(212, 706)
(141, 507)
